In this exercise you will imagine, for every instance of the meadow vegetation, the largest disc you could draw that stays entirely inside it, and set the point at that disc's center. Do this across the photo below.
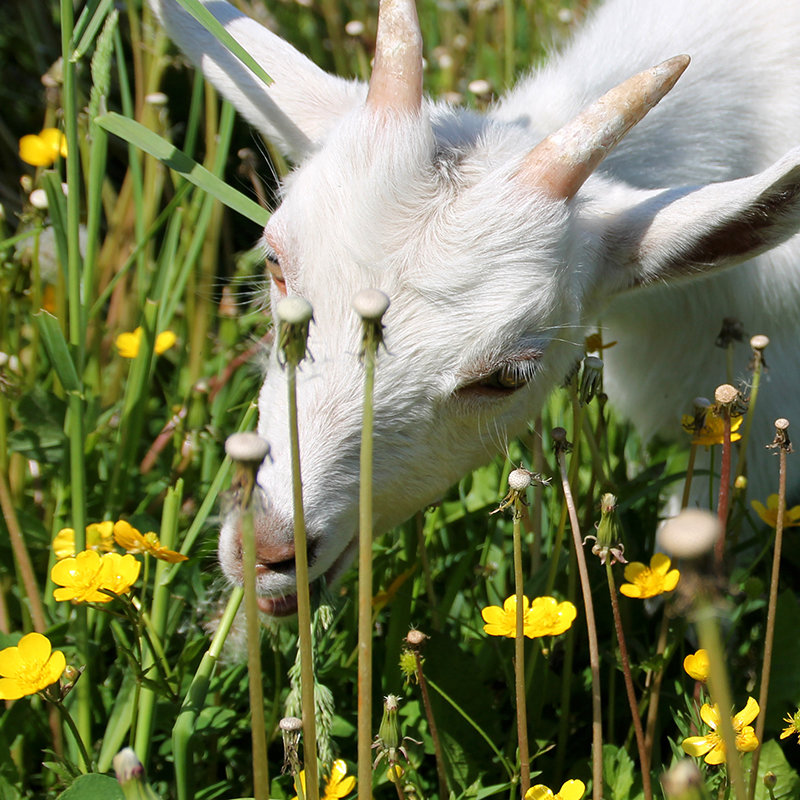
(133, 332)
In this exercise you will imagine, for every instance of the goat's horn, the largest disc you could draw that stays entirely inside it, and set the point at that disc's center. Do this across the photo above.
(561, 163)
(396, 81)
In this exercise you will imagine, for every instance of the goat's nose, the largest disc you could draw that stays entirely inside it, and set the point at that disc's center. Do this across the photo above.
(274, 537)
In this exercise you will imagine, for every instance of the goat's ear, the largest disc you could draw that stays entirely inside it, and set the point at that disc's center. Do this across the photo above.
(297, 110)
(675, 233)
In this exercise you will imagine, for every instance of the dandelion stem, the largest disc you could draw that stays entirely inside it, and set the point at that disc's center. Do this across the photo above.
(303, 597)
(687, 486)
(365, 588)
(644, 759)
(781, 442)
(519, 652)
(255, 685)
(594, 651)
(724, 490)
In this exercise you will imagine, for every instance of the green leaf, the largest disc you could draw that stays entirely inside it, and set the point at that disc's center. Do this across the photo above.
(773, 760)
(57, 350)
(93, 786)
(158, 147)
(617, 773)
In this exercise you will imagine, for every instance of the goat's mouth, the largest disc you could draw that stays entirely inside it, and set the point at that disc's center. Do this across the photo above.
(286, 604)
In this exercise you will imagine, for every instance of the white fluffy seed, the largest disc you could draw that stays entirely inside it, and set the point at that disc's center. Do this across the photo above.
(370, 304)
(691, 533)
(294, 310)
(248, 447)
(519, 480)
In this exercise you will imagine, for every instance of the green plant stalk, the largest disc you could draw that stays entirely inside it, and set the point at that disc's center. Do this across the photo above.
(519, 654)
(22, 557)
(772, 608)
(748, 420)
(441, 772)
(509, 768)
(77, 339)
(365, 585)
(594, 651)
(644, 759)
(687, 486)
(195, 698)
(70, 723)
(159, 607)
(303, 597)
(655, 691)
(509, 29)
(723, 502)
(719, 688)
(255, 683)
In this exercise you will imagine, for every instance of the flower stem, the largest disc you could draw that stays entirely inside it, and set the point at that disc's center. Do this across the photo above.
(254, 679)
(519, 653)
(365, 587)
(193, 702)
(303, 597)
(719, 687)
(67, 717)
(444, 789)
(644, 758)
(724, 491)
(784, 447)
(594, 651)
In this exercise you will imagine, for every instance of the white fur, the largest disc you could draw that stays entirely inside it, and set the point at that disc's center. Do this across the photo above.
(483, 270)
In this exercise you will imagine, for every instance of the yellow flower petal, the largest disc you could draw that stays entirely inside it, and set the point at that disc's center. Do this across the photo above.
(697, 665)
(572, 790)
(710, 715)
(41, 150)
(119, 572)
(747, 714)
(539, 792)
(29, 667)
(79, 578)
(128, 343)
(697, 746)
(55, 140)
(164, 341)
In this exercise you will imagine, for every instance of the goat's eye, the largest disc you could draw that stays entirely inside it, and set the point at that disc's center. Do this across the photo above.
(504, 380)
(274, 267)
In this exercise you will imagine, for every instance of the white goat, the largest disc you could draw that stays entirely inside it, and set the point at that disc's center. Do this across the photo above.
(499, 242)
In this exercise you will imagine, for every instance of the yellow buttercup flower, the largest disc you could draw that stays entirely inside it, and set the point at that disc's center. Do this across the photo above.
(42, 149)
(338, 785)
(571, 790)
(128, 343)
(82, 578)
(711, 745)
(713, 429)
(793, 721)
(545, 616)
(696, 665)
(134, 542)
(650, 581)
(503, 621)
(548, 617)
(99, 536)
(791, 516)
(29, 667)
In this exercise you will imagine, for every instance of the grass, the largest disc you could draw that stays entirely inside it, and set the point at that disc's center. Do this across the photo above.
(86, 436)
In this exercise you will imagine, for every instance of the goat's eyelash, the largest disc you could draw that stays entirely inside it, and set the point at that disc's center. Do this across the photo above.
(502, 378)
(275, 270)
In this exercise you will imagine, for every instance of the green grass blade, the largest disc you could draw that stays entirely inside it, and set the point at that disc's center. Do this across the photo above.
(168, 154)
(210, 23)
